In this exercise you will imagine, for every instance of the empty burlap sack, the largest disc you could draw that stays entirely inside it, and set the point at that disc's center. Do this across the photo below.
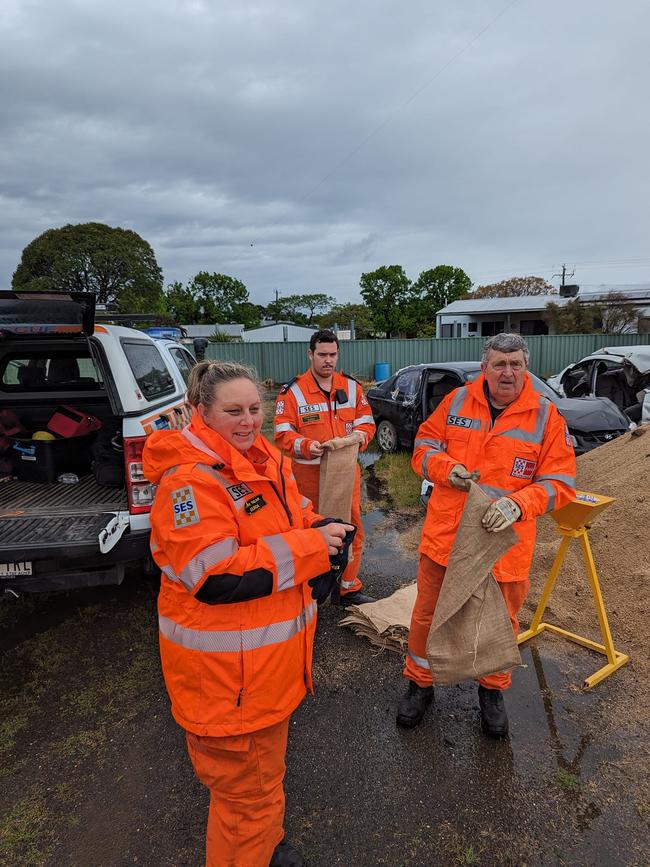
(338, 471)
(471, 634)
(386, 621)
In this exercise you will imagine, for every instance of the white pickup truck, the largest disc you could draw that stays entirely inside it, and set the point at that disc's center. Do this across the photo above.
(74, 512)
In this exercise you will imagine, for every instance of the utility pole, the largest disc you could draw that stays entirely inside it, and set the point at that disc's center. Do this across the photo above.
(277, 295)
(563, 275)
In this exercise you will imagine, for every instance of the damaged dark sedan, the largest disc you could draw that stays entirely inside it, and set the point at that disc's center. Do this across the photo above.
(401, 403)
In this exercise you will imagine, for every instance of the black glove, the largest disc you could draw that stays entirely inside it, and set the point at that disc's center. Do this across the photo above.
(323, 585)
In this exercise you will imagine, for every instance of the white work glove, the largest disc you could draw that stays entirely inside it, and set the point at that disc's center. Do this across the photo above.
(500, 514)
(459, 477)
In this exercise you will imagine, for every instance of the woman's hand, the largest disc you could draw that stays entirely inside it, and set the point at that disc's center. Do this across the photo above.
(333, 534)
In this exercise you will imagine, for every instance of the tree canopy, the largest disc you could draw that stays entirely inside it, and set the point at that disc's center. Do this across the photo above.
(387, 292)
(572, 317)
(116, 264)
(515, 286)
(301, 309)
(343, 314)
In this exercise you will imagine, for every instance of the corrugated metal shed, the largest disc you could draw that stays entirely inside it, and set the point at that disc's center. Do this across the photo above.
(284, 331)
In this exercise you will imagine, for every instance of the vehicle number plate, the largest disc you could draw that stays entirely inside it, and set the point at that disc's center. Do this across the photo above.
(15, 570)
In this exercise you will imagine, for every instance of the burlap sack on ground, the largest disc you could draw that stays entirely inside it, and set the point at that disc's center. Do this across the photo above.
(471, 634)
(385, 623)
(338, 468)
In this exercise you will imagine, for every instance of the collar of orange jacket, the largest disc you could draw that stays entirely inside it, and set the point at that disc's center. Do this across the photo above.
(528, 399)
(171, 448)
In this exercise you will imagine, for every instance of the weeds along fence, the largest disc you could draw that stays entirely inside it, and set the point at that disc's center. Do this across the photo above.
(281, 361)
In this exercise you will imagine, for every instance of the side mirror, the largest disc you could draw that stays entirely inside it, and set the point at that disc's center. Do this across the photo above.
(200, 344)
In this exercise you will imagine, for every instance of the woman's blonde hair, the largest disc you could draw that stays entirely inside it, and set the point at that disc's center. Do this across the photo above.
(206, 376)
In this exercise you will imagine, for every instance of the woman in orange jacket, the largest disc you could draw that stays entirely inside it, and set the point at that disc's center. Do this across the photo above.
(238, 548)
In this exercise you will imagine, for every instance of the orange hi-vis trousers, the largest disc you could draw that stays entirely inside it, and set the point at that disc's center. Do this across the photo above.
(430, 578)
(308, 480)
(245, 775)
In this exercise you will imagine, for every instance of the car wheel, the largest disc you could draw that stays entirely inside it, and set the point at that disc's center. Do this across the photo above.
(387, 436)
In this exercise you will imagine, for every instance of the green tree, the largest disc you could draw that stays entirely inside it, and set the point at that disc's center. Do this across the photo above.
(573, 317)
(616, 316)
(343, 314)
(301, 309)
(387, 292)
(181, 304)
(515, 286)
(116, 264)
(433, 290)
(218, 297)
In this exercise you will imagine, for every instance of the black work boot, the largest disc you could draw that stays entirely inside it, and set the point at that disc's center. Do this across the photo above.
(285, 855)
(357, 597)
(494, 719)
(412, 706)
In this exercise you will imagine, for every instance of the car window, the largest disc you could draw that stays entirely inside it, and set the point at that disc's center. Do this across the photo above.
(405, 387)
(184, 362)
(49, 370)
(577, 381)
(148, 367)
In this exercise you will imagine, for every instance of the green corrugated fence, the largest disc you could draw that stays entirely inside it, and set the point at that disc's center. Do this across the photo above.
(281, 361)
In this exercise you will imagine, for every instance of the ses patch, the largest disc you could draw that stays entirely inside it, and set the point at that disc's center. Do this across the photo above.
(279, 407)
(184, 507)
(459, 421)
(239, 491)
(522, 468)
(308, 407)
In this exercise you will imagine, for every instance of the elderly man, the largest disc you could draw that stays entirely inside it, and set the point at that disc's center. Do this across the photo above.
(499, 430)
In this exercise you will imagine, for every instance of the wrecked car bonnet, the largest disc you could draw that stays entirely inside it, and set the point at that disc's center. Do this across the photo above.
(592, 413)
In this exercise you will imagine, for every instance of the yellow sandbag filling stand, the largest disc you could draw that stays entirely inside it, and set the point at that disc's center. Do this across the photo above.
(574, 522)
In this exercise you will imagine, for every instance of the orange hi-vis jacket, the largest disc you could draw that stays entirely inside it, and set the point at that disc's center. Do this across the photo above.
(526, 454)
(231, 534)
(303, 415)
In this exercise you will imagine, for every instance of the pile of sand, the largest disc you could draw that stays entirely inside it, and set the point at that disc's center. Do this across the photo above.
(620, 540)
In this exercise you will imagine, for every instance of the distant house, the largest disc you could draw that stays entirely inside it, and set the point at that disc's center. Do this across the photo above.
(234, 330)
(279, 332)
(524, 314)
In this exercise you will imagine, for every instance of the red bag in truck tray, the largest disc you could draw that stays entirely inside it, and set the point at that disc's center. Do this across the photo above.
(68, 421)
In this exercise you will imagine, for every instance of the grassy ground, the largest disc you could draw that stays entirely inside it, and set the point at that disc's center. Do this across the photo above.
(402, 485)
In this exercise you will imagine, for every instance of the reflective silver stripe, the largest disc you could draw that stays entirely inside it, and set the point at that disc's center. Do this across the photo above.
(363, 419)
(153, 545)
(418, 660)
(169, 572)
(550, 490)
(200, 445)
(494, 492)
(195, 569)
(351, 402)
(296, 445)
(305, 461)
(346, 585)
(557, 477)
(297, 393)
(304, 502)
(436, 445)
(537, 436)
(223, 481)
(283, 556)
(169, 472)
(457, 401)
(424, 463)
(280, 428)
(235, 640)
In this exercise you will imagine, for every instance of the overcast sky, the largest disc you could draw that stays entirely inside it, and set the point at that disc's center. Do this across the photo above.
(295, 145)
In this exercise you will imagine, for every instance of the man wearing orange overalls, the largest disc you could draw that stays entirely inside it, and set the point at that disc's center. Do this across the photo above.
(499, 429)
(310, 410)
